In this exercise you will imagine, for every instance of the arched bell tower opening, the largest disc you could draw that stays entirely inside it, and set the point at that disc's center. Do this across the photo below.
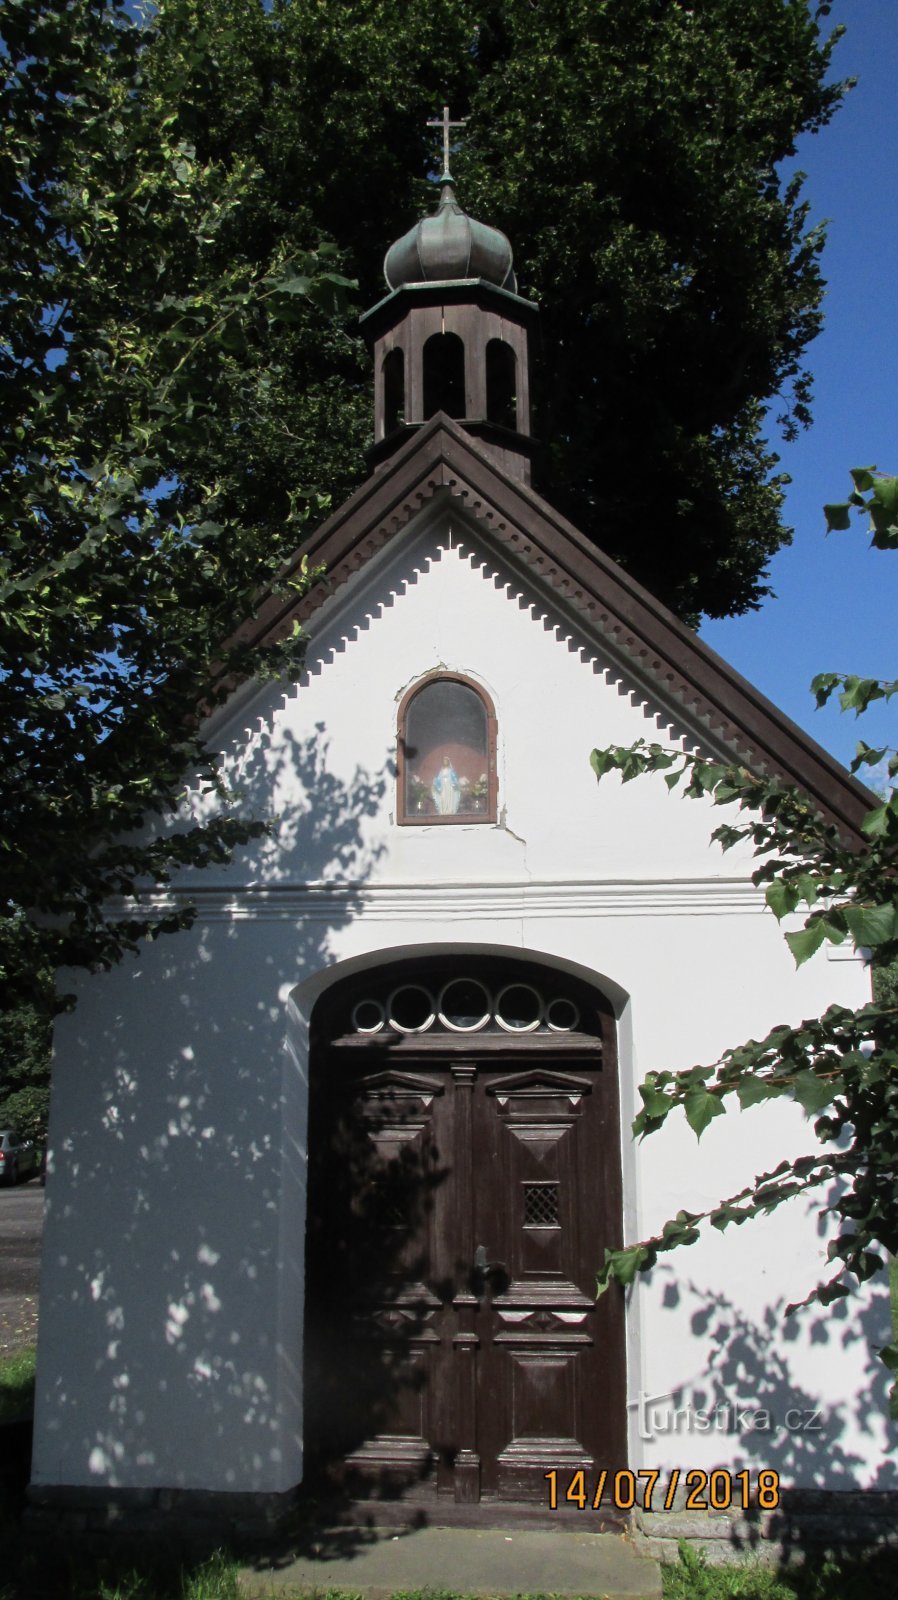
(443, 370)
(501, 384)
(464, 1182)
(392, 378)
(453, 336)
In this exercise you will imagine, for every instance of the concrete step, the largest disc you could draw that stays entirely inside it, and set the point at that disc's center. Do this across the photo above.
(379, 1562)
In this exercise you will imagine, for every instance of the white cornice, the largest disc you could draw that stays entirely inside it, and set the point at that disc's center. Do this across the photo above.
(458, 901)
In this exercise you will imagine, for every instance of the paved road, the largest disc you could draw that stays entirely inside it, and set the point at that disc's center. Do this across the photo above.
(21, 1227)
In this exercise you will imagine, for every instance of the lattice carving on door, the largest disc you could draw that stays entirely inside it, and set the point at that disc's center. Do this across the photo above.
(541, 1205)
(388, 1204)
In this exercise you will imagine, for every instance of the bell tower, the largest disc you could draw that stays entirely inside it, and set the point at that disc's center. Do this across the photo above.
(453, 335)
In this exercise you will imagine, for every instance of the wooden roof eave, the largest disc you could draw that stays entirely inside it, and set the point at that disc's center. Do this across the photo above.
(687, 672)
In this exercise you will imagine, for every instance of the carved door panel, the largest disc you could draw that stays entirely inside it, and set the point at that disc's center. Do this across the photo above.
(376, 1276)
(550, 1385)
(455, 1226)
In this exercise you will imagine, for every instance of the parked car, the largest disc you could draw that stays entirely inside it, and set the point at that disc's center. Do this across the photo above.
(19, 1158)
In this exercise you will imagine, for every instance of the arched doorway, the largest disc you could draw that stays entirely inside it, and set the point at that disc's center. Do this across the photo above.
(464, 1181)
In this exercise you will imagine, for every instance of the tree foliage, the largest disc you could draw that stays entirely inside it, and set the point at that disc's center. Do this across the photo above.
(184, 200)
(138, 328)
(25, 1043)
(841, 1068)
(631, 152)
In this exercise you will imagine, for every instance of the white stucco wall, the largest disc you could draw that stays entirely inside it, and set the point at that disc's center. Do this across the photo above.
(171, 1317)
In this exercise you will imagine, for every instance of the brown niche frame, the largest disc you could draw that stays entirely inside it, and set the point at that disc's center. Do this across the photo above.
(464, 819)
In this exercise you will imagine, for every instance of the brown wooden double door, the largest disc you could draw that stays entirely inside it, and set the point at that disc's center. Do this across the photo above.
(459, 1208)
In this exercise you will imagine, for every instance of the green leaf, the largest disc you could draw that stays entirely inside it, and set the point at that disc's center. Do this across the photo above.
(883, 504)
(680, 1231)
(623, 1265)
(858, 693)
(292, 283)
(838, 517)
(813, 1092)
(804, 944)
(601, 762)
(876, 823)
(830, 1292)
(751, 1091)
(330, 294)
(654, 1103)
(863, 478)
(867, 756)
(701, 1108)
(872, 925)
(782, 897)
(808, 887)
(823, 685)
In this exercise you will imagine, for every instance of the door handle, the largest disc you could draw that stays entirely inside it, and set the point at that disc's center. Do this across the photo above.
(484, 1268)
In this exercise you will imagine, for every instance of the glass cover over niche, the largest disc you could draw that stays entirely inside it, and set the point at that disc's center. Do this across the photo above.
(446, 748)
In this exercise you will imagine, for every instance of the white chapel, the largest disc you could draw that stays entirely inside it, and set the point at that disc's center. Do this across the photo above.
(332, 1173)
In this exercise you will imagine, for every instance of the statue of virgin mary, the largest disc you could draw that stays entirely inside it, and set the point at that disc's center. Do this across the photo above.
(446, 789)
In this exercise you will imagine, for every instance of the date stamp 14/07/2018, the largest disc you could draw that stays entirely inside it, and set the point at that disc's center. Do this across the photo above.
(649, 1490)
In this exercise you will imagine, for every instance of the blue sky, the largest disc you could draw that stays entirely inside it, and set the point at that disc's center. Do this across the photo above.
(836, 600)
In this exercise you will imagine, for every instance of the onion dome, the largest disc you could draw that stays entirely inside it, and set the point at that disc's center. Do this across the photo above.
(450, 246)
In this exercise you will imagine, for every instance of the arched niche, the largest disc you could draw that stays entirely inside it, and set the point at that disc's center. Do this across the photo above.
(393, 380)
(501, 384)
(443, 360)
(446, 752)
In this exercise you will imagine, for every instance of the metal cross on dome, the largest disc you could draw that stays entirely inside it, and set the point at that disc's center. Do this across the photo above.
(445, 123)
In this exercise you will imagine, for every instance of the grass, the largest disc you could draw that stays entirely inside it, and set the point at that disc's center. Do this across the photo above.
(690, 1579)
(855, 1578)
(215, 1579)
(79, 1576)
(17, 1385)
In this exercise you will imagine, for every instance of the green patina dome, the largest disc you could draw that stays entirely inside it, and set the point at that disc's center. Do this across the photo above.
(450, 246)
